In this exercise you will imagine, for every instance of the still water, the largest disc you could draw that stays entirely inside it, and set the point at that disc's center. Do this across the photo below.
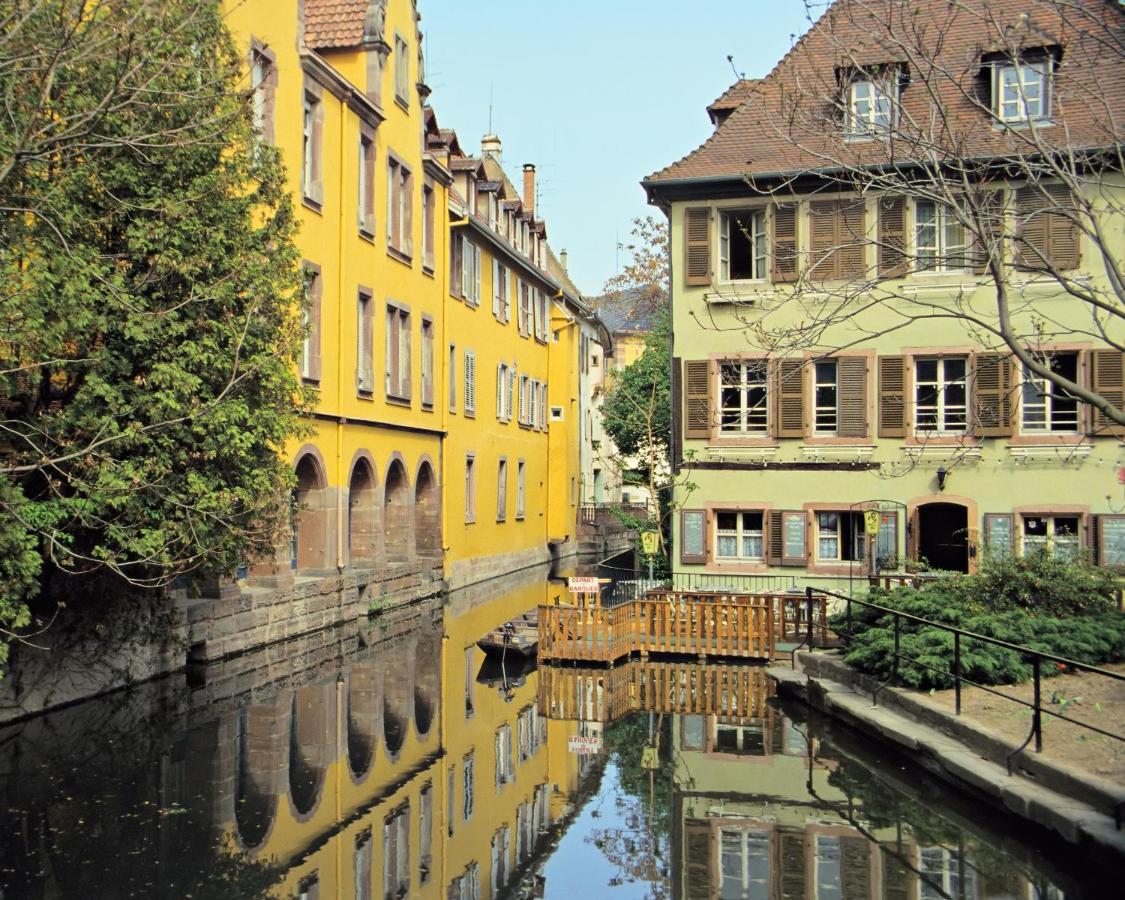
(392, 759)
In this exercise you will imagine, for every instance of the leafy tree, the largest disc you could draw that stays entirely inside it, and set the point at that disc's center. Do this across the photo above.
(148, 333)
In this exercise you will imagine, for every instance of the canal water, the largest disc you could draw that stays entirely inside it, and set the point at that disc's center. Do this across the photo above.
(394, 759)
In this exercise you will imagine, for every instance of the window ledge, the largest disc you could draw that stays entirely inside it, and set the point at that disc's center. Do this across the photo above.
(1059, 452)
(969, 453)
(428, 269)
(402, 103)
(394, 253)
(836, 451)
(738, 454)
(942, 283)
(748, 292)
(368, 234)
(310, 203)
(398, 401)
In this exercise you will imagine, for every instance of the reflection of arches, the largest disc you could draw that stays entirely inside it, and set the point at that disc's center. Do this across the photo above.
(309, 740)
(427, 514)
(363, 698)
(396, 699)
(255, 770)
(312, 514)
(363, 516)
(397, 515)
(427, 656)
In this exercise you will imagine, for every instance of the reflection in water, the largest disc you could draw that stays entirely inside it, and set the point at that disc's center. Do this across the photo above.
(390, 760)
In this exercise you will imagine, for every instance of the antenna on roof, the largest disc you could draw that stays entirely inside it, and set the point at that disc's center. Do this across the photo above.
(739, 76)
(490, 109)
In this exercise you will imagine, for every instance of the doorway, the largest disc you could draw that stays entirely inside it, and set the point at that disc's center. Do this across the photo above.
(943, 536)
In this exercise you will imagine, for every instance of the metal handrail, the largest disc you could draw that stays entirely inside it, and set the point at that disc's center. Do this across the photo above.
(1037, 657)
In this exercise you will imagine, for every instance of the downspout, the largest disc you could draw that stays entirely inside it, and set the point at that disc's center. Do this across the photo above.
(445, 285)
(343, 491)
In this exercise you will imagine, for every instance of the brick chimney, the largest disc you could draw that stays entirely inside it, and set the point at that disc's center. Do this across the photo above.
(563, 257)
(490, 148)
(529, 188)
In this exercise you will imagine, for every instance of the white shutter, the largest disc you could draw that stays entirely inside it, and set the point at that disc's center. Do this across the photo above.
(496, 288)
(501, 378)
(511, 392)
(470, 382)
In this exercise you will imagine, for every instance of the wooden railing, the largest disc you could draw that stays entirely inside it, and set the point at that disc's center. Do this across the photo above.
(605, 695)
(739, 626)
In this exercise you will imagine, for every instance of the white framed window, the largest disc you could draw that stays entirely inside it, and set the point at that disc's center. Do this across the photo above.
(744, 863)
(452, 378)
(470, 383)
(1045, 407)
(840, 537)
(744, 398)
(945, 874)
(468, 787)
(738, 535)
(826, 395)
(1058, 535)
(1021, 90)
(365, 344)
(871, 106)
(470, 487)
(311, 147)
(521, 489)
(939, 239)
(470, 273)
(742, 245)
(941, 396)
(505, 763)
(502, 490)
(402, 70)
(398, 363)
(501, 303)
(503, 392)
(366, 199)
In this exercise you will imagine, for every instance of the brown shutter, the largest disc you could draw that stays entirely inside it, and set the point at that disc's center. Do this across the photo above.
(697, 399)
(784, 559)
(1064, 234)
(775, 537)
(1107, 380)
(992, 394)
(852, 381)
(1092, 534)
(784, 253)
(316, 291)
(1044, 230)
(892, 396)
(677, 413)
(852, 239)
(792, 863)
(892, 237)
(697, 246)
(824, 216)
(989, 221)
(1033, 251)
(698, 855)
(789, 397)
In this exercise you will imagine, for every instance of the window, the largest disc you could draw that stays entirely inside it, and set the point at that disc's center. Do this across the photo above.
(871, 106)
(470, 680)
(502, 490)
(826, 398)
(841, 537)
(426, 833)
(367, 182)
(542, 316)
(365, 343)
(428, 226)
(940, 396)
(467, 885)
(1021, 90)
(398, 353)
(470, 488)
(470, 273)
(468, 786)
(501, 303)
(456, 262)
(505, 765)
(738, 535)
(742, 245)
(427, 363)
(521, 489)
(946, 873)
(1056, 535)
(263, 86)
(743, 388)
(396, 853)
(1047, 408)
(362, 866)
(543, 407)
(744, 864)
(505, 385)
(939, 239)
(312, 131)
(451, 798)
(452, 367)
(523, 297)
(310, 320)
(501, 853)
(402, 71)
(400, 208)
(470, 383)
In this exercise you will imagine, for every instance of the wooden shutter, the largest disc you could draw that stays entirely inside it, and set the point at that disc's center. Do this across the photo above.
(775, 537)
(697, 246)
(1044, 230)
(697, 399)
(693, 536)
(316, 291)
(677, 413)
(1107, 379)
(855, 867)
(789, 397)
(852, 382)
(892, 396)
(989, 223)
(852, 239)
(824, 226)
(892, 237)
(698, 860)
(992, 394)
(785, 558)
(784, 250)
(792, 862)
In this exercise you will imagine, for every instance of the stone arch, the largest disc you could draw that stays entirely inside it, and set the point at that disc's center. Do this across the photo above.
(259, 757)
(311, 542)
(427, 512)
(426, 665)
(397, 689)
(310, 746)
(362, 718)
(398, 524)
(363, 514)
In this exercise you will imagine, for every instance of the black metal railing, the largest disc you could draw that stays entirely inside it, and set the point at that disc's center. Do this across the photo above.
(960, 635)
(734, 584)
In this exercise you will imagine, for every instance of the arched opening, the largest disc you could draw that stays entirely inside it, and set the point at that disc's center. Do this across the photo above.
(363, 697)
(363, 517)
(398, 523)
(255, 796)
(396, 694)
(427, 656)
(311, 518)
(427, 515)
(308, 748)
(943, 536)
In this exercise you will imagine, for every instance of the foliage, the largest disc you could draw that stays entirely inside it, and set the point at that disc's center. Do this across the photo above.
(624, 740)
(147, 331)
(637, 411)
(645, 276)
(1054, 606)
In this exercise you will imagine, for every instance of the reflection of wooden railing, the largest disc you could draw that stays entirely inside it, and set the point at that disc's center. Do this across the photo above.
(605, 695)
(699, 624)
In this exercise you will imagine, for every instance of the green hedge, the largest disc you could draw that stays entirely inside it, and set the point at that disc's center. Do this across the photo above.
(1064, 608)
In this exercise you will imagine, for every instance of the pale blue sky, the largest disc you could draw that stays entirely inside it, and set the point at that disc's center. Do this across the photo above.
(596, 94)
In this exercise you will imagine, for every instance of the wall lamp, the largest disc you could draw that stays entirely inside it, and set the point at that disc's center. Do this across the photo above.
(942, 474)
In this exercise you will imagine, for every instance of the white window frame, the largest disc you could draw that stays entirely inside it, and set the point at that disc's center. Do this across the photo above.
(826, 418)
(470, 488)
(365, 319)
(521, 488)
(757, 236)
(453, 378)
(402, 70)
(872, 104)
(742, 532)
(1052, 540)
(752, 420)
(1016, 75)
(947, 248)
(825, 533)
(942, 410)
(1047, 399)
(502, 489)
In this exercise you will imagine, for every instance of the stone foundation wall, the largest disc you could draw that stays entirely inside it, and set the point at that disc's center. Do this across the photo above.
(466, 572)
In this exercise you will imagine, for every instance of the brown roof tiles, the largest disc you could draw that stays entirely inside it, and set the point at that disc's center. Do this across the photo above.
(334, 23)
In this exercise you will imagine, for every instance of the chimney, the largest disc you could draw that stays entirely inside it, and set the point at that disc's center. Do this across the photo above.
(562, 260)
(490, 148)
(529, 189)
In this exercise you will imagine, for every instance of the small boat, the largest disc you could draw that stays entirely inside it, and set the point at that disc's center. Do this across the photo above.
(516, 638)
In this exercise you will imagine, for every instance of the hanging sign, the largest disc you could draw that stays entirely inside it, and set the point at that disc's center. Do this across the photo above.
(649, 758)
(650, 542)
(583, 585)
(871, 520)
(584, 745)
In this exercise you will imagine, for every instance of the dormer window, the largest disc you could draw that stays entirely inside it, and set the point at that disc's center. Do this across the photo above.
(1021, 89)
(871, 106)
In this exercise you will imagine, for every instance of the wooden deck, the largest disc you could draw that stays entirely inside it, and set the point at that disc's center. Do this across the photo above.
(729, 626)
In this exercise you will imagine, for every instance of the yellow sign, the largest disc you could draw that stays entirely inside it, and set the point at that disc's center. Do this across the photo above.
(871, 520)
(649, 759)
(650, 542)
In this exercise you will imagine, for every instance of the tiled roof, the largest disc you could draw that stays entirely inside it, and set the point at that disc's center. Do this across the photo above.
(334, 23)
(772, 130)
(731, 98)
(631, 311)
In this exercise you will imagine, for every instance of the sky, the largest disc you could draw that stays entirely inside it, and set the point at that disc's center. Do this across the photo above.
(597, 93)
